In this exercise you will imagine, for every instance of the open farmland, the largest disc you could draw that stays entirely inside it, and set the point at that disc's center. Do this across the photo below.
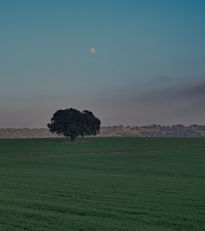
(129, 184)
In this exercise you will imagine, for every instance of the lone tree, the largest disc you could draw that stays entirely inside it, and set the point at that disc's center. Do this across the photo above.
(72, 123)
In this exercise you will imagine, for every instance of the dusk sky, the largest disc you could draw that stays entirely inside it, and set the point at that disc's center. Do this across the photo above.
(129, 62)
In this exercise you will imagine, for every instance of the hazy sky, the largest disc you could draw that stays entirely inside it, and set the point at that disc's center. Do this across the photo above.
(147, 65)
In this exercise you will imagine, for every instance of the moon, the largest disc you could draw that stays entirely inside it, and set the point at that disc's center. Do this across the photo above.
(92, 50)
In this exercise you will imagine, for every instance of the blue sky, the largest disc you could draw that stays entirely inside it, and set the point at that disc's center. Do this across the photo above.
(149, 65)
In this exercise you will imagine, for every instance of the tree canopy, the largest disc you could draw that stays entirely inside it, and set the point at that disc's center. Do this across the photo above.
(72, 123)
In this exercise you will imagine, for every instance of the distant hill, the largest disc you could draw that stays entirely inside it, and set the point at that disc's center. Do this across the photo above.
(143, 131)
(25, 133)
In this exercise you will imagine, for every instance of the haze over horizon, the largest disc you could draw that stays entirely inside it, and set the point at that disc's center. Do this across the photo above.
(129, 62)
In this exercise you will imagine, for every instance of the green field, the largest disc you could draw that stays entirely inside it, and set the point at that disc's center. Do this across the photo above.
(114, 184)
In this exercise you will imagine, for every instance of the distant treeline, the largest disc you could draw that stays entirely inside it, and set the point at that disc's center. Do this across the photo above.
(140, 131)
(155, 130)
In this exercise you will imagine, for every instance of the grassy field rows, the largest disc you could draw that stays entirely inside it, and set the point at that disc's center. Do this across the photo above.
(145, 184)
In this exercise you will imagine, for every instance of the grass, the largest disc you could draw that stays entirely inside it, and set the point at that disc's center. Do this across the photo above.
(145, 184)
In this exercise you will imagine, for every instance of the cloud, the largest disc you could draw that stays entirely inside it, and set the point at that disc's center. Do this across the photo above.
(189, 91)
(161, 105)
(195, 88)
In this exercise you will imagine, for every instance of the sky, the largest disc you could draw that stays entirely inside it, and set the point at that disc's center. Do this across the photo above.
(129, 62)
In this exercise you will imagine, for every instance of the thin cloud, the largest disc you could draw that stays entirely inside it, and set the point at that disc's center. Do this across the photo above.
(195, 88)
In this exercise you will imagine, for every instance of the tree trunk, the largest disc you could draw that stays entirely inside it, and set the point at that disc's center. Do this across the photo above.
(72, 138)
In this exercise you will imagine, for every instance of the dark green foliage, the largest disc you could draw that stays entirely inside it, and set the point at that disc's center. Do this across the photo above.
(102, 184)
(72, 123)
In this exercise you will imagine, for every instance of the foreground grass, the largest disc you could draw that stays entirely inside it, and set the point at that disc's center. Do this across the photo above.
(145, 184)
